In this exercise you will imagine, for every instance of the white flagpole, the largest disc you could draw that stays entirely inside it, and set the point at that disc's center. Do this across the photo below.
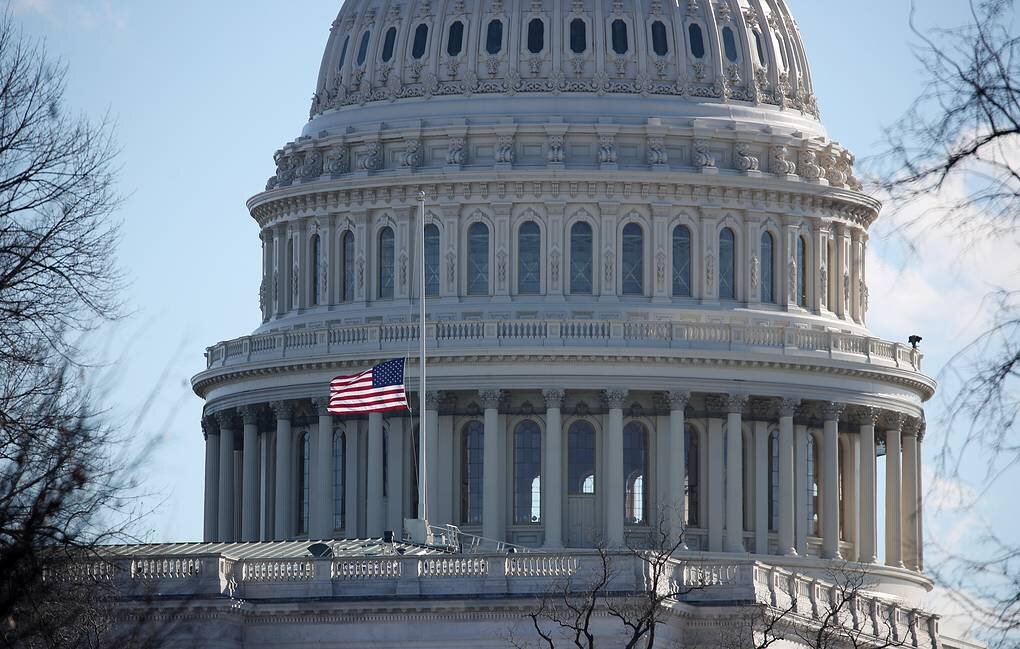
(423, 482)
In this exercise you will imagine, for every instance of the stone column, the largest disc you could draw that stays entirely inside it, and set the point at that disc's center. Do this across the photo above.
(676, 464)
(868, 524)
(909, 494)
(716, 486)
(250, 475)
(225, 520)
(280, 287)
(843, 272)
(613, 499)
(787, 497)
(284, 510)
(800, 488)
(492, 494)
(830, 481)
(893, 535)
(920, 497)
(321, 506)
(212, 479)
(395, 478)
(552, 479)
(735, 473)
(352, 479)
(266, 486)
(761, 487)
(428, 458)
(375, 513)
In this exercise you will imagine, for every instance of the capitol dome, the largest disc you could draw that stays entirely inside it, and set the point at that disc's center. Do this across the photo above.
(645, 276)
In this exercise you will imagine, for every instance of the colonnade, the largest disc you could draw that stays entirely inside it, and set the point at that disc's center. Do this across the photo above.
(772, 436)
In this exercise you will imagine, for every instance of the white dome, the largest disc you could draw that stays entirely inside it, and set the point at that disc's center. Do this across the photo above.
(739, 59)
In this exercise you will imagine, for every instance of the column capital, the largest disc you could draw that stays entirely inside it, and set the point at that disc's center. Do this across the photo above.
(432, 399)
(250, 414)
(490, 398)
(832, 410)
(678, 400)
(867, 415)
(912, 427)
(321, 405)
(227, 419)
(921, 431)
(553, 397)
(893, 421)
(735, 403)
(283, 410)
(209, 426)
(788, 407)
(616, 398)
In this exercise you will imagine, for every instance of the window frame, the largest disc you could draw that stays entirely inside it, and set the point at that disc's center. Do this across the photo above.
(768, 269)
(611, 41)
(471, 500)
(448, 39)
(469, 289)
(538, 257)
(414, 41)
(569, 40)
(436, 269)
(485, 42)
(700, 40)
(522, 496)
(690, 261)
(594, 466)
(386, 273)
(389, 44)
(732, 267)
(625, 268)
(653, 40)
(526, 36)
(591, 259)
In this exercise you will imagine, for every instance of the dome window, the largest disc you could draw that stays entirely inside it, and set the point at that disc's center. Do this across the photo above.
(494, 37)
(536, 35)
(529, 259)
(581, 258)
(727, 265)
(455, 39)
(387, 255)
(768, 285)
(363, 47)
(343, 54)
(578, 36)
(421, 40)
(760, 47)
(697, 41)
(729, 44)
(660, 44)
(478, 259)
(633, 267)
(431, 260)
(681, 261)
(388, 43)
(620, 44)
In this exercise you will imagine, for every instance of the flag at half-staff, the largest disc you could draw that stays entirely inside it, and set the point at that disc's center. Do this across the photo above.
(380, 389)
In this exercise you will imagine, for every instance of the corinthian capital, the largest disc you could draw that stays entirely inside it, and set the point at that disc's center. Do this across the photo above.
(616, 398)
(553, 397)
(735, 403)
(432, 399)
(832, 410)
(283, 410)
(912, 427)
(226, 418)
(250, 414)
(321, 405)
(788, 407)
(490, 398)
(678, 400)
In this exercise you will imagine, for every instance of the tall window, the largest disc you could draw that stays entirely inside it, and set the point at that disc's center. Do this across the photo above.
(635, 472)
(833, 285)
(729, 44)
(578, 36)
(290, 271)
(303, 491)
(431, 260)
(633, 263)
(697, 41)
(478, 259)
(581, 258)
(527, 473)
(801, 272)
(581, 458)
(759, 47)
(339, 504)
(529, 259)
(471, 466)
(773, 482)
(343, 54)
(387, 254)
(812, 485)
(681, 261)
(455, 38)
(363, 47)
(768, 285)
(660, 43)
(536, 35)
(347, 266)
(421, 40)
(494, 37)
(389, 41)
(316, 264)
(727, 264)
(691, 456)
(840, 458)
(619, 31)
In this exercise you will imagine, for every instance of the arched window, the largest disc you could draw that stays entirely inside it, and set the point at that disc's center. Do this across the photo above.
(578, 36)
(681, 261)
(529, 259)
(691, 493)
(801, 272)
(347, 266)
(291, 272)
(478, 259)
(363, 47)
(339, 455)
(832, 275)
(759, 47)
(697, 41)
(768, 256)
(431, 260)
(727, 265)
(343, 54)
(387, 254)
(620, 41)
(635, 472)
(581, 458)
(303, 490)
(660, 43)
(812, 485)
(389, 42)
(455, 38)
(773, 482)
(581, 259)
(536, 35)
(471, 467)
(527, 472)
(729, 44)
(421, 40)
(494, 37)
(315, 266)
(633, 262)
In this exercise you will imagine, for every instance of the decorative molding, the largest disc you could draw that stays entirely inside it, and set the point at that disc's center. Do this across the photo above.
(282, 410)
(616, 398)
(553, 397)
(678, 400)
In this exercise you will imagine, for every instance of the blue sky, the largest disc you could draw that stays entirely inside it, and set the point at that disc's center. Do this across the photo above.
(204, 92)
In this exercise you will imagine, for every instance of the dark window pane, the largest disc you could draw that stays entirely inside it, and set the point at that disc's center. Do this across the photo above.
(581, 258)
(386, 258)
(431, 260)
(681, 262)
(527, 473)
(363, 48)
(315, 265)
(421, 39)
(529, 259)
(471, 466)
(633, 263)
(581, 458)
(494, 37)
(343, 54)
(660, 44)
(697, 41)
(620, 44)
(801, 272)
(455, 39)
(536, 35)
(760, 47)
(768, 288)
(691, 457)
(729, 44)
(635, 473)
(578, 36)
(347, 267)
(727, 259)
(478, 259)
(774, 481)
(339, 505)
(388, 43)
(304, 484)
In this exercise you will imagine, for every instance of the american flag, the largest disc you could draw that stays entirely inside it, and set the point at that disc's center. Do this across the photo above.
(380, 389)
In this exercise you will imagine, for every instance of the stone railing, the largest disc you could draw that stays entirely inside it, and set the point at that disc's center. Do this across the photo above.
(546, 334)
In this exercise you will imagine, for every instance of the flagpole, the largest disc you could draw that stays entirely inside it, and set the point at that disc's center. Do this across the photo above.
(423, 482)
